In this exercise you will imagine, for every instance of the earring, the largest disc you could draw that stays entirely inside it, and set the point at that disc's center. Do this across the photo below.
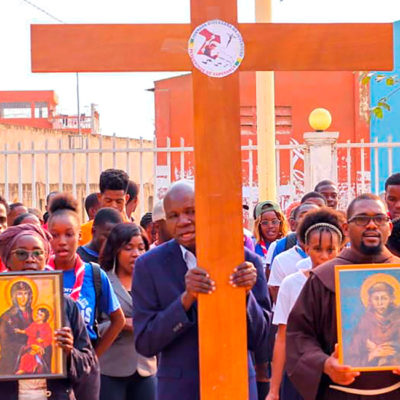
(114, 265)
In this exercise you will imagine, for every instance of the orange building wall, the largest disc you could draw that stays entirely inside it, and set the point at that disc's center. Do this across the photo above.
(299, 92)
(31, 96)
(52, 121)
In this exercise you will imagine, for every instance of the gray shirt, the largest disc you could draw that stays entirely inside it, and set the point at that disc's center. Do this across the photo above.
(122, 359)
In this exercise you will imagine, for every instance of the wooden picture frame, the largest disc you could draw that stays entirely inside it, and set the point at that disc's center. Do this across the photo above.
(31, 309)
(368, 316)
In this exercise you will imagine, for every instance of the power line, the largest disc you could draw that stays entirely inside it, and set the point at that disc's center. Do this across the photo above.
(43, 11)
(77, 75)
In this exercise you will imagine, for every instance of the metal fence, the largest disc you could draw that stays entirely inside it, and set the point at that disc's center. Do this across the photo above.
(361, 167)
(381, 159)
(73, 165)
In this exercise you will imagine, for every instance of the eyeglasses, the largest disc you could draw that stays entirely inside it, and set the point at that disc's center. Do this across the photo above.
(364, 220)
(23, 255)
(273, 222)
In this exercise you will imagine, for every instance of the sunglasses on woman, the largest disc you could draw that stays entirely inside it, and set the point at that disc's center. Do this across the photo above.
(273, 222)
(23, 255)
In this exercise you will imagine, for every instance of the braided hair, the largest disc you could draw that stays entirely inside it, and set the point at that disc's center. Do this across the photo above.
(323, 220)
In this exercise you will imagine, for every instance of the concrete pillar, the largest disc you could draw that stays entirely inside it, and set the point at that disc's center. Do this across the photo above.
(320, 159)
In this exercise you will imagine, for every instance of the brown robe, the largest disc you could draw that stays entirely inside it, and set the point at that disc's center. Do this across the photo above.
(312, 335)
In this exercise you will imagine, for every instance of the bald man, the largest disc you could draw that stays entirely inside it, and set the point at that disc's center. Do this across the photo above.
(165, 288)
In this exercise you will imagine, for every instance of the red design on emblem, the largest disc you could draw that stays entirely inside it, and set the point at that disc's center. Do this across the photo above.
(211, 44)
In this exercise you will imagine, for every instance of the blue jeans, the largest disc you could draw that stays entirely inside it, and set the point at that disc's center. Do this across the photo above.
(134, 387)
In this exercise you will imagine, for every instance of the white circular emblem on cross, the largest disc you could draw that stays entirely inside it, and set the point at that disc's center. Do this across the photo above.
(216, 48)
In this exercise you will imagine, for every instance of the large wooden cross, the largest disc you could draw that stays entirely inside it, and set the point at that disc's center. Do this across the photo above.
(164, 47)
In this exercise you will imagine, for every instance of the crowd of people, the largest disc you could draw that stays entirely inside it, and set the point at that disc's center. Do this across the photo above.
(131, 289)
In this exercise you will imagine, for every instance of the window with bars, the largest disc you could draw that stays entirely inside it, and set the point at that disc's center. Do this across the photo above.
(283, 120)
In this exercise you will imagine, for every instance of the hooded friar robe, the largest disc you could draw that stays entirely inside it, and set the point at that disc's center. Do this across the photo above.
(312, 335)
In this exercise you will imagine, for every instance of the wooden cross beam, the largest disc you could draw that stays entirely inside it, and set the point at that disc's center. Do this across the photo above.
(269, 47)
(219, 237)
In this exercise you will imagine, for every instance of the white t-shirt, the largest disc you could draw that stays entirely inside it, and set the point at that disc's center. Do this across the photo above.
(305, 263)
(283, 265)
(288, 293)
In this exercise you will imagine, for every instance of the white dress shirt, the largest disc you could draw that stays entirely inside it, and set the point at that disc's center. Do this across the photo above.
(189, 258)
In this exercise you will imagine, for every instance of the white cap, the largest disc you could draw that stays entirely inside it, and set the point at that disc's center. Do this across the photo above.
(158, 211)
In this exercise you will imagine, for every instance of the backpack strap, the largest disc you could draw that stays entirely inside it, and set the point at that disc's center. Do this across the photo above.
(291, 241)
(279, 248)
(96, 271)
(284, 244)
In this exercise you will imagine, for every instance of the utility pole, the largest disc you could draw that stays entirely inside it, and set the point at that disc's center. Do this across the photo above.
(79, 108)
(265, 89)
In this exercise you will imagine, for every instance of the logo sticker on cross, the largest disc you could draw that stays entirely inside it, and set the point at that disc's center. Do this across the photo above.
(216, 48)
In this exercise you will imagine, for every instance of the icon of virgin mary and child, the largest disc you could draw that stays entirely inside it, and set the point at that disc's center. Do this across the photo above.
(376, 339)
(25, 334)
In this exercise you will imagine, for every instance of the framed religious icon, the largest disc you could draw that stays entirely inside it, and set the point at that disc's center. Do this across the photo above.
(31, 310)
(368, 316)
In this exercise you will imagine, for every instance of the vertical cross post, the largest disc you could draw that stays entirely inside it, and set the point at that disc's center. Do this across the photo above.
(219, 237)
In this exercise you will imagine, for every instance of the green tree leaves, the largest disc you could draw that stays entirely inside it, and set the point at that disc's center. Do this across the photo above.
(383, 104)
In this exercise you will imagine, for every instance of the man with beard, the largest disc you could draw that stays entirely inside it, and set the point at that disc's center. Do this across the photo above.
(165, 288)
(311, 341)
